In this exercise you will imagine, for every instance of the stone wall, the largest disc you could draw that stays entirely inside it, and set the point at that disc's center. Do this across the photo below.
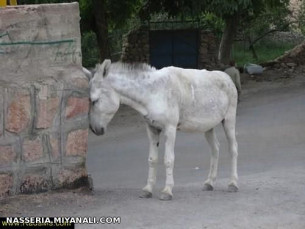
(208, 48)
(294, 56)
(136, 48)
(285, 37)
(290, 60)
(43, 99)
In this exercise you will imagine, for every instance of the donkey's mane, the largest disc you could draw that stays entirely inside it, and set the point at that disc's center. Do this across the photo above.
(131, 67)
(132, 70)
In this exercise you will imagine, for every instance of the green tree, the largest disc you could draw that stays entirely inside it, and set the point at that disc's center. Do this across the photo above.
(103, 16)
(231, 11)
(301, 17)
(272, 19)
(100, 16)
(22, 2)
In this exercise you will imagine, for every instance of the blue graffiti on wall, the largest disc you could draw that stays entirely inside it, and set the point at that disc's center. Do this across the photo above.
(61, 53)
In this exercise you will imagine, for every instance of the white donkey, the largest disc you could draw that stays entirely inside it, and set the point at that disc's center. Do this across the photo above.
(169, 99)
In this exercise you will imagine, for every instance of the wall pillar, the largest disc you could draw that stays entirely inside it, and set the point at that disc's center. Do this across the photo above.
(43, 99)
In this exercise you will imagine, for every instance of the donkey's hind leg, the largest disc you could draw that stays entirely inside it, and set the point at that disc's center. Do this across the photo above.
(214, 145)
(153, 135)
(229, 127)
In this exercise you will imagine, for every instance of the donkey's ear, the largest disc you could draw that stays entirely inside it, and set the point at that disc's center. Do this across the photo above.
(88, 73)
(105, 67)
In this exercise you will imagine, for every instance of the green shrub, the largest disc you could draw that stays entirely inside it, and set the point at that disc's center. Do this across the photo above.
(90, 50)
(266, 51)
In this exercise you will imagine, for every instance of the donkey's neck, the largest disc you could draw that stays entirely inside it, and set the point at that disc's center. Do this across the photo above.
(142, 109)
(132, 93)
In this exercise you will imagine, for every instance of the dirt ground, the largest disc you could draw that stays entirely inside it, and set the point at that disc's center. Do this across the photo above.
(268, 199)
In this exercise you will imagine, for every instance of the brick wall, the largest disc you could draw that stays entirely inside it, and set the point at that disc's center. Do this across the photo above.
(43, 99)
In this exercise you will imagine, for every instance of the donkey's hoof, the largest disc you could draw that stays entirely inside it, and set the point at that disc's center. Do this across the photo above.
(146, 194)
(165, 196)
(232, 188)
(207, 187)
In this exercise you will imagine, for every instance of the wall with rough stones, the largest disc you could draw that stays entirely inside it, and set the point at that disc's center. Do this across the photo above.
(208, 49)
(293, 57)
(135, 48)
(43, 99)
(290, 60)
(285, 37)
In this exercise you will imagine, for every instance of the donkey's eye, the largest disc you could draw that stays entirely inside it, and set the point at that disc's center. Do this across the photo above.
(94, 102)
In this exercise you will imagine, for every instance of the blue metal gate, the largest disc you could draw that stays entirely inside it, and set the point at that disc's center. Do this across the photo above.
(174, 48)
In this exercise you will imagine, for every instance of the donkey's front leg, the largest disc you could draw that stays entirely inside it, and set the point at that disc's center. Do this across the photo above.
(169, 159)
(153, 136)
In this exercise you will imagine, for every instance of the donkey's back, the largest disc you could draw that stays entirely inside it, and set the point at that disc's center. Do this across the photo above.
(204, 97)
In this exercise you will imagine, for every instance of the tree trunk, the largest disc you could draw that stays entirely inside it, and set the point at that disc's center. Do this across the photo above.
(227, 39)
(100, 28)
(251, 48)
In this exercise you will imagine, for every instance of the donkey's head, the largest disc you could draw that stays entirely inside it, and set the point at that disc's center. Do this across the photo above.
(104, 100)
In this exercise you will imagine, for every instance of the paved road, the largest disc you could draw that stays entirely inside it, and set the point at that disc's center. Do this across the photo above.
(271, 136)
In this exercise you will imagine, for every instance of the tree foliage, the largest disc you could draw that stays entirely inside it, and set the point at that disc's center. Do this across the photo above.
(117, 12)
(254, 17)
(301, 17)
(100, 16)
(233, 12)
(22, 2)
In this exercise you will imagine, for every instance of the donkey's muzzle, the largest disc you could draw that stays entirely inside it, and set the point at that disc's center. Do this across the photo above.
(97, 131)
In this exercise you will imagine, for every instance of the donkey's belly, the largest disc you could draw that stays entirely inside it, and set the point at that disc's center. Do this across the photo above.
(198, 125)
(203, 114)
